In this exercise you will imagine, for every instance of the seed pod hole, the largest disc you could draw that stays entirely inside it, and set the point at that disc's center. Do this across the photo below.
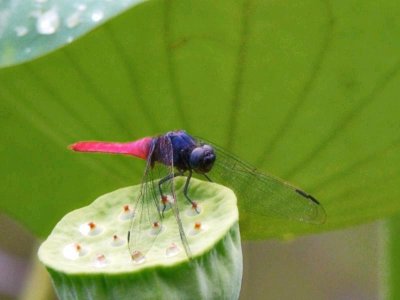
(165, 202)
(117, 241)
(156, 228)
(127, 212)
(138, 257)
(194, 210)
(74, 251)
(90, 229)
(100, 261)
(197, 228)
(172, 250)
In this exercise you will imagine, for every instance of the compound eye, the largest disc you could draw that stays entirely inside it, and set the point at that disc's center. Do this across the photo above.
(208, 148)
(196, 158)
(202, 159)
(208, 159)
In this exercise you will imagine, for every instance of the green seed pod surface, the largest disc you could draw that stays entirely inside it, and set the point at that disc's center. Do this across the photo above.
(88, 258)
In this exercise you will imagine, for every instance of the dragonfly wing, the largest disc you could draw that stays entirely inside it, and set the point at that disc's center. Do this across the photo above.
(264, 194)
(149, 208)
(147, 220)
(166, 155)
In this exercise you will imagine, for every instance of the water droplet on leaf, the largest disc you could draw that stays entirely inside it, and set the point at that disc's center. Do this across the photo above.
(21, 30)
(97, 16)
(48, 22)
(73, 20)
(81, 7)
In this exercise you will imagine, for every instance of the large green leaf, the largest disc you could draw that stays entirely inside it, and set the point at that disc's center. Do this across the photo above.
(306, 90)
(29, 29)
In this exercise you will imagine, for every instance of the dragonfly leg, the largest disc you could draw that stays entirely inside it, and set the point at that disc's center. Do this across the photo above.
(163, 197)
(185, 191)
(208, 178)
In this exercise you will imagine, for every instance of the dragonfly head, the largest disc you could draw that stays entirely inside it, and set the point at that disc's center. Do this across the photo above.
(202, 158)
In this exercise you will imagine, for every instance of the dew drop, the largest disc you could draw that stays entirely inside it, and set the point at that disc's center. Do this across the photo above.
(74, 251)
(21, 30)
(28, 50)
(73, 20)
(138, 257)
(81, 7)
(172, 250)
(48, 22)
(40, 1)
(97, 16)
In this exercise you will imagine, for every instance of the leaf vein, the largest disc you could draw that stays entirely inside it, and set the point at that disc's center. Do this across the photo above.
(364, 102)
(171, 67)
(238, 79)
(130, 71)
(304, 93)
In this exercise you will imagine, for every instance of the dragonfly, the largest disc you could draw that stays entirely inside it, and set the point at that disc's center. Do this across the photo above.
(176, 153)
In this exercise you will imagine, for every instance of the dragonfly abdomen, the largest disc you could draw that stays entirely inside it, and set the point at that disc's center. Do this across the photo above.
(139, 148)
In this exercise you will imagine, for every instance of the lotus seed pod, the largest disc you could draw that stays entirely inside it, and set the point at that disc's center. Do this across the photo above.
(88, 257)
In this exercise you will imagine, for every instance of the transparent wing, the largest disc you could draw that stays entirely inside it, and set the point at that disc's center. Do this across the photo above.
(147, 220)
(147, 223)
(262, 193)
(168, 187)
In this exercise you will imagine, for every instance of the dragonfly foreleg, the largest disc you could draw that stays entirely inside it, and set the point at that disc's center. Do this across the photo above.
(208, 178)
(185, 191)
